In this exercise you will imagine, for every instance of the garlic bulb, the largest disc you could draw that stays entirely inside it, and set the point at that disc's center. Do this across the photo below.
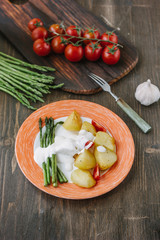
(147, 93)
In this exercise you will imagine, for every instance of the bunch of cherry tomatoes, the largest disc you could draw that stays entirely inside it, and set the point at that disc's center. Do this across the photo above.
(74, 42)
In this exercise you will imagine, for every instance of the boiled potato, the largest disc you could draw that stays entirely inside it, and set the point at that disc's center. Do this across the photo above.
(73, 122)
(105, 159)
(83, 178)
(85, 160)
(104, 139)
(88, 127)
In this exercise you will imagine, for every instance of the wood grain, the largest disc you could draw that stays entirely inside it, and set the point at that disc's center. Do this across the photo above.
(74, 75)
(129, 212)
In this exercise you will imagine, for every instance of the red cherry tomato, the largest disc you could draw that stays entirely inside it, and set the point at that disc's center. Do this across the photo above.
(111, 54)
(109, 36)
(57, 44)
(90, 33)
(56, 28)
(98, 127)
(96, 172)
(34, 23)
(39, 32)
(74, 31)
(41, 48)
(93, 51)
(74, 53)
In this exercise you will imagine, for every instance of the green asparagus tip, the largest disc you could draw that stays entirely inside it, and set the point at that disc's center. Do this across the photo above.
(57, 86)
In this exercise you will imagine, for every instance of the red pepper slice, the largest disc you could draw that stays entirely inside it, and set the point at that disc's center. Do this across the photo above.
(98, 127)
(96, 172)
(87, 143)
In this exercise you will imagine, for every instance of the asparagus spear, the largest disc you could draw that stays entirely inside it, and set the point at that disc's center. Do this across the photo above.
(7, 85)
(51, 120)
(44, 174)
(44, 139)
(53, 168)
(4, 89)
(62, 175)
(48, 170)
(54, 128)
(40, 128)
(17, 84)
(60, 179)
(47, 131)
(22, 63)
(55, 183)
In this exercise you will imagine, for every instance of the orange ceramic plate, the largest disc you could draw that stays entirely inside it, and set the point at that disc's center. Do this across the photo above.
(116, 174)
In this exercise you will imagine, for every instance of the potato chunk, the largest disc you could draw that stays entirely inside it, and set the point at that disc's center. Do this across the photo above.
(89, 127)
(73, 122)
(85, 160)
(104, 139)
(83, 178)
(105, 159)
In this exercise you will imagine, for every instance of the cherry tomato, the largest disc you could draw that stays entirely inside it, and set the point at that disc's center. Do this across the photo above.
(111, 54)
(56, 28)
(34, 23)
(98, 127)
(41, 47)
(109, 36)
(74, 31)
(57, 44)
(74, 53)
(90, 33)
(93, 51)
(39, 32)
(96, 172)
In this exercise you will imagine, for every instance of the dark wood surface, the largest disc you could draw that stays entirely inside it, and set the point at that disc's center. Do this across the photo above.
(74, 75)
(132, 210)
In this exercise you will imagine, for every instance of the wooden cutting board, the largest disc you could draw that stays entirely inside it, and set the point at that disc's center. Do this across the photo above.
(13, 24)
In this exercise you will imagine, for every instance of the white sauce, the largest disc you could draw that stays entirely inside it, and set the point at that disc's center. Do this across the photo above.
(101, 149)
(66, 145)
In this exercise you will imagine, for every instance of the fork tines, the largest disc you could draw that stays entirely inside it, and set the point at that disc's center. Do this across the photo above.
(100, 81)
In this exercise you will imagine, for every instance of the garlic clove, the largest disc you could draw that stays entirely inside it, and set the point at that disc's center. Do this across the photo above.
(147, 93)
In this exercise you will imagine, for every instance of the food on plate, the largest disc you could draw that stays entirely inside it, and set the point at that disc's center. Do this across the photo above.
(111, 36)
(104, 139)
(77, 44)
(98, 127)
(85, 160)
(34, 23)
(41, 47)
(70, 150)
(96, 172)
(104, 157)
(88, 127)
(83, 178)
(73, 122)
(111, 54)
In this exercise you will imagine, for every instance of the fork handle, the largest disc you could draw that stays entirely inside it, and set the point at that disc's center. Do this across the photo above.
(144, 126)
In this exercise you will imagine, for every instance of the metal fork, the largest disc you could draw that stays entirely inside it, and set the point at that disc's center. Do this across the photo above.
(144, 126)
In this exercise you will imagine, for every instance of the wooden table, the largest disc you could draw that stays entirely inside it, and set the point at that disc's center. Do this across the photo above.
(130, 211)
